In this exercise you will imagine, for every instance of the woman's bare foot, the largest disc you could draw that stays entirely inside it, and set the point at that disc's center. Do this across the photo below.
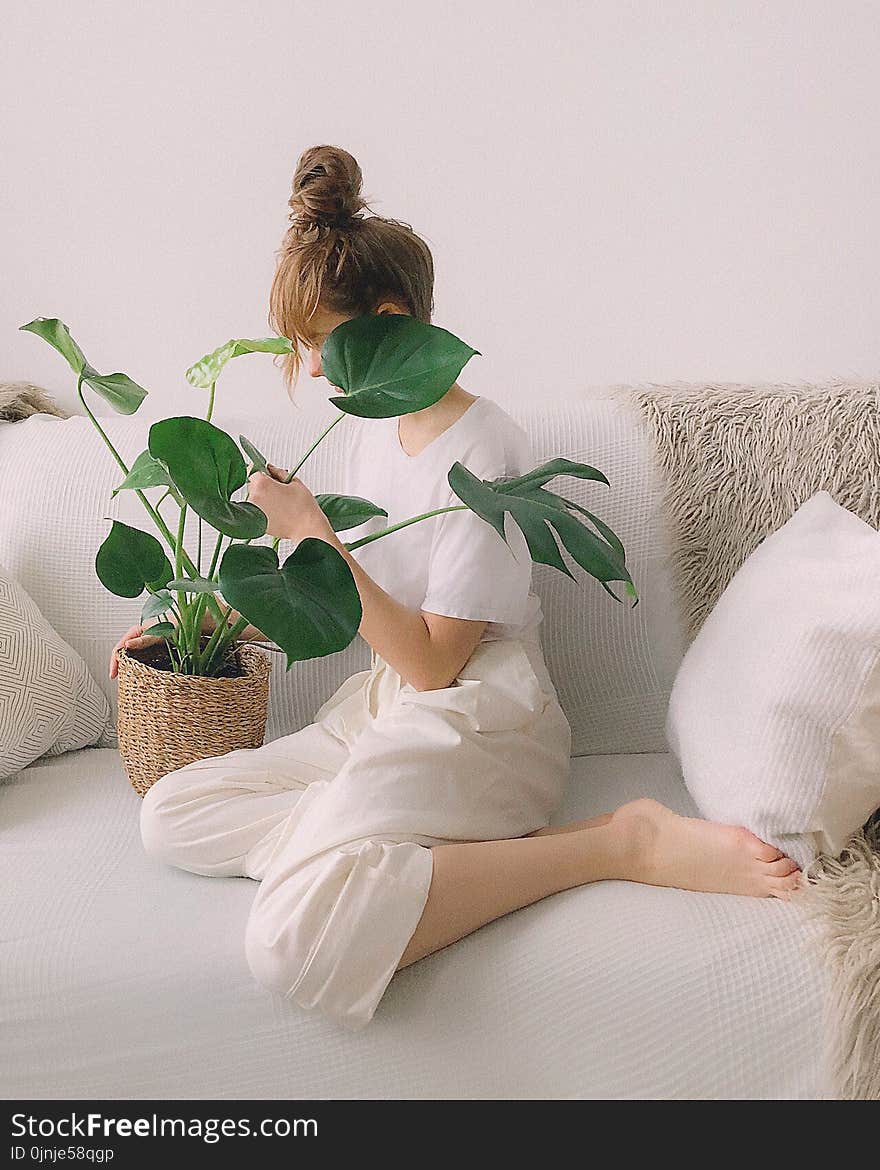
(692, 854)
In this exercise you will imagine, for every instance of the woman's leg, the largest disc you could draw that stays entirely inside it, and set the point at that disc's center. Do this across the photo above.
(572, 826)
(476, 882)
(223, 815)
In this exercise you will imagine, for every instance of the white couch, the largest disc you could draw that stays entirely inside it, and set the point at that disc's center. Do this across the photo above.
(124, 978)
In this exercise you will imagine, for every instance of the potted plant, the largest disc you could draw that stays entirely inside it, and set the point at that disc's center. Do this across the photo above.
(201, 695)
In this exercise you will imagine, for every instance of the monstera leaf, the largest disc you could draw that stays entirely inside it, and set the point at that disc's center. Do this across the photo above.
(391, 364)
(147, 472)
(207, 467)
(124, 395)
(309, 606)
(258, 460)
(193, 585)
(129, 560)
(156, 604)
(345, 512)
(208, 369)
(542, 516)
(162, 630)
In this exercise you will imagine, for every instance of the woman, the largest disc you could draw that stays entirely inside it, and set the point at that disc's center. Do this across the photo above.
(415, 808)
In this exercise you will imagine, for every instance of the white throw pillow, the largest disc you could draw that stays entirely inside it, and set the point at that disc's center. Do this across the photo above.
(774, 715)
(49, 703)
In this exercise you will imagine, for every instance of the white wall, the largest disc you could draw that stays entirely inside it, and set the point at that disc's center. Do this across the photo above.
(613, 191)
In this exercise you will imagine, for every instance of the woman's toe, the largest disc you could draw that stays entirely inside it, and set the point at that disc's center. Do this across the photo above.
(766, 852)
(782, 868)
(784, 887)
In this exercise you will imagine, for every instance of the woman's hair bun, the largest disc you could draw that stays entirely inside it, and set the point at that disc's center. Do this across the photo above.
(326, 189)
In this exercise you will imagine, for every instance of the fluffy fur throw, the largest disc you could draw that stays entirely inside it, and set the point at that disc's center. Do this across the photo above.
(20, 400)
(737, 462)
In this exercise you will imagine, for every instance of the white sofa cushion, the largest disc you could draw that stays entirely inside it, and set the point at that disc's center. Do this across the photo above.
(49, 703)
(774, 714)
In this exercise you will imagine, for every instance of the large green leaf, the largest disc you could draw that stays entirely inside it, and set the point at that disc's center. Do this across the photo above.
(345, 512)
(57, 334)
(309, 606)
(208, 369)
(145, 472)
(124, 395)
(391, 364)
(612, 538)
(207, 467)
(542, 516)
(129, 560)
(521, 485)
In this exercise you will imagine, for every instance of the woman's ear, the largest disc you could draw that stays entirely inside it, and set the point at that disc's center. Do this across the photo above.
(391, 307)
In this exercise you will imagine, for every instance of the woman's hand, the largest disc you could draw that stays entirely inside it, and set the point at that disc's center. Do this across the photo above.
(292, 512)
(133, 639)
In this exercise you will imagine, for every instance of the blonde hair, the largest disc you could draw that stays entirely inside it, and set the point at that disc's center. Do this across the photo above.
(335, 257)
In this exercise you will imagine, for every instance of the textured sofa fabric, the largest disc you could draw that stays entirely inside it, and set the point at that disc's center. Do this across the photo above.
(613, 664)
(124, 977)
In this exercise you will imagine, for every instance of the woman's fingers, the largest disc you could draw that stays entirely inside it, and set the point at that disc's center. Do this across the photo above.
(135, 639)
(132, 638)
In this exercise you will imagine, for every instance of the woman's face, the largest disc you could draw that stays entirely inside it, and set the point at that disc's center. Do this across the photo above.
(323, 322)
(322, 325)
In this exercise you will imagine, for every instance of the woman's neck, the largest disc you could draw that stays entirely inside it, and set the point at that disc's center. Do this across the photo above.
(416, 430)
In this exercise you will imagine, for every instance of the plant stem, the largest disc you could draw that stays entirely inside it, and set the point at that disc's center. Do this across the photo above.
(204, 658)
(178, 546)
(99, 428)
(210, 573)
(198, 615)
(320, 438)
(203, 600)
(158, 519)
(207, 419)
(404, 524)
(229, 636)
(186, 628)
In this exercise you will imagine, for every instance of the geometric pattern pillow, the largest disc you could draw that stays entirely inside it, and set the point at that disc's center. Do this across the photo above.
(49, 703)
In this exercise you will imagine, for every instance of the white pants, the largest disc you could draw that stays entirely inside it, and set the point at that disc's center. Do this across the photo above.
(336, 821)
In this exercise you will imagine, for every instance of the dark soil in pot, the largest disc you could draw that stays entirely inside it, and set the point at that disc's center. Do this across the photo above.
(158, 658)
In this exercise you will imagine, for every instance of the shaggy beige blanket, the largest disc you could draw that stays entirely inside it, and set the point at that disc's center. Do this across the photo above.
(19, 400)
(737, 461)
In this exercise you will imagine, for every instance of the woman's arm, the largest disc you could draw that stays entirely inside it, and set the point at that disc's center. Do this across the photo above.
(426, 649)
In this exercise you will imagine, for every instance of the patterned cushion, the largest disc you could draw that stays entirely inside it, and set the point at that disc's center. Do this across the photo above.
(49, 703)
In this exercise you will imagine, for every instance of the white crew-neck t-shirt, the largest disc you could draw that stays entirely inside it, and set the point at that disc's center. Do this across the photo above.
(456, 564)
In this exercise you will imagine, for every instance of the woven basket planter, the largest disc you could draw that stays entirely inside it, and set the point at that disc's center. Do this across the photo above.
(168, 719)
